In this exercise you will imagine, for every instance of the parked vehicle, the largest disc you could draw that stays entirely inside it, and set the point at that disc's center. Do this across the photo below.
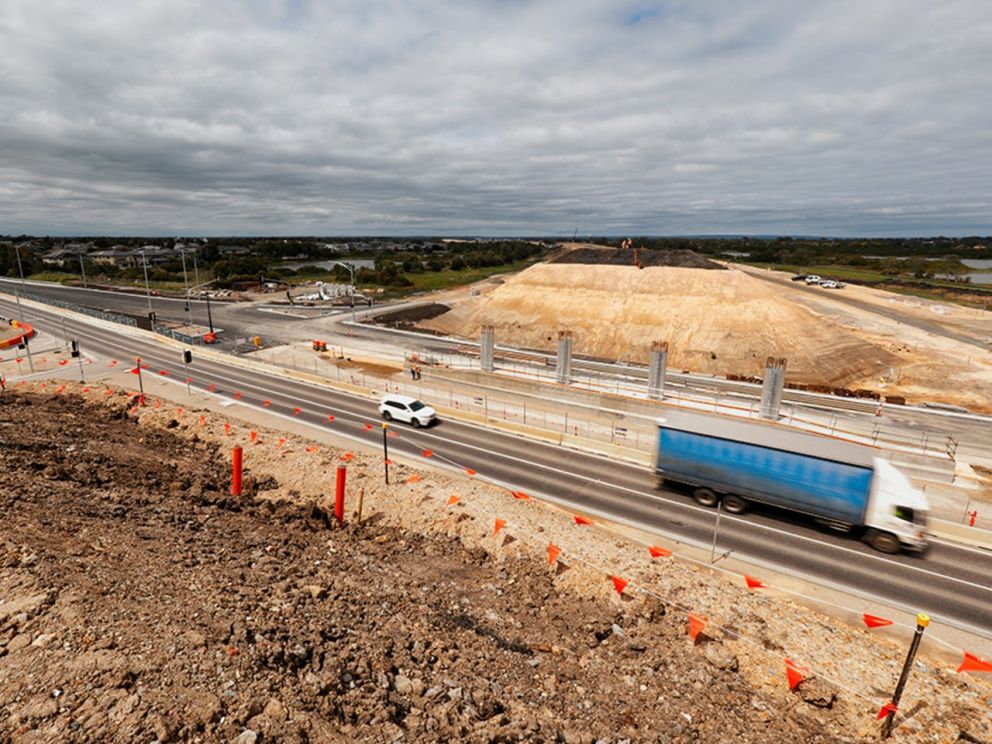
(813, 279)
(831, 284)
(841, 484)
(798, 277)
(407, 409)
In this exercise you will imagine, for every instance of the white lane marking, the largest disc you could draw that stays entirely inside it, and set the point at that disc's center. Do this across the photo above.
(656, 497)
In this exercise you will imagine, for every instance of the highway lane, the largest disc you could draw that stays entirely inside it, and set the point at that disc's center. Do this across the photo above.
(953, 583)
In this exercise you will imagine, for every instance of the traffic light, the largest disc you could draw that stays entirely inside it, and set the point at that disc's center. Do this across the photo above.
(74, 346)
(187, 356)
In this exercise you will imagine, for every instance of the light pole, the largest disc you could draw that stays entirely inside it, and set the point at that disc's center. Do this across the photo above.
(196, 271)
(20, 269)
(189, 312)
(82, 268)
(148, 292)
(210, 320)
(351, 272)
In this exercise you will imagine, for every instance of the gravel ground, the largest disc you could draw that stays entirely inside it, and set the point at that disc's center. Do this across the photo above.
(140, 602)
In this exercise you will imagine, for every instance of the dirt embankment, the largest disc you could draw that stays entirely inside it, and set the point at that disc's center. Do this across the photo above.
(140, 601)
(593, 256)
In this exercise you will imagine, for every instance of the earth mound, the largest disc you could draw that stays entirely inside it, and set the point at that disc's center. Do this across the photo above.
(594, 255)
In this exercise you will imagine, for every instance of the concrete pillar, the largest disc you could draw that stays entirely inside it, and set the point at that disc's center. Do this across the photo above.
(564, 357)
(656, 373)
(771, 389)
(486, 348)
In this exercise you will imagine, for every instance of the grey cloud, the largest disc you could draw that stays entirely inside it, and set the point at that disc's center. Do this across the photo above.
(442, 116)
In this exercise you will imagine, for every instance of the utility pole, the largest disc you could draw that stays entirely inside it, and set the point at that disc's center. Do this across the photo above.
(82, 268)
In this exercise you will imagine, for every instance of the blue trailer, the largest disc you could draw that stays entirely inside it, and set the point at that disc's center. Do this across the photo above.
(841, 483)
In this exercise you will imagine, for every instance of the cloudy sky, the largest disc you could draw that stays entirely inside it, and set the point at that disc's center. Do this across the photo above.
(176, 117)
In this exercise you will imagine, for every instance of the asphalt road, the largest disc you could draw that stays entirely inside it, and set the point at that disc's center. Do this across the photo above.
(953, 583)
(240, 320)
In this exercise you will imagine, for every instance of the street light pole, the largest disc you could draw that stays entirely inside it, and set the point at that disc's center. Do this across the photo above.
(189, 311)
(148, 292)
(82, 268)
(351, 291)
(20, 269)
(27, 345)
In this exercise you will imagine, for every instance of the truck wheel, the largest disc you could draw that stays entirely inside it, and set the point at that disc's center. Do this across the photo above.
(884, 542)
(705, 497)
(734, 504)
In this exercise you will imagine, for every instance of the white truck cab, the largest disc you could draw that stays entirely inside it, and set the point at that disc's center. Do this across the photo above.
(897, 513)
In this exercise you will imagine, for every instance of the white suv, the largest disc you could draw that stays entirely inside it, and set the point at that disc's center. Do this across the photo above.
(813, 279)
(408, 410)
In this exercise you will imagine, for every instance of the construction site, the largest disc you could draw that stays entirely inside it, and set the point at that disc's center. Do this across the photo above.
(726, 320)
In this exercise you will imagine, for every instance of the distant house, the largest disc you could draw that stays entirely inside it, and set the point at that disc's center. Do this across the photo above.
(234, 250)
(59, 257)
(118, 256)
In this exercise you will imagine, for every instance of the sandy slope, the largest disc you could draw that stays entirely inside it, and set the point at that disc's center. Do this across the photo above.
(720, 322)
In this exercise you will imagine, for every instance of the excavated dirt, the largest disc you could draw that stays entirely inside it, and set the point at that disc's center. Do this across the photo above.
(727, 323)
(140, 602)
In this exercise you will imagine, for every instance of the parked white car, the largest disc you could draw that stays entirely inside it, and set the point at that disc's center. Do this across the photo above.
(813, 279)
(830, 284)
(407, 409)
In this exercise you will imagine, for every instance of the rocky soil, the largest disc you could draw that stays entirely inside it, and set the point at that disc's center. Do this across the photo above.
(141, 602)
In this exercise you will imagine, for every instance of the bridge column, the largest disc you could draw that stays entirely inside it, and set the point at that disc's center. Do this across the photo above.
(656, 373)
(486, 348)
(772, 387)
(564, 368)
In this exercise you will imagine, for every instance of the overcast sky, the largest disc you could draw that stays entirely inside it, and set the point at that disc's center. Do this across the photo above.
(496, 117)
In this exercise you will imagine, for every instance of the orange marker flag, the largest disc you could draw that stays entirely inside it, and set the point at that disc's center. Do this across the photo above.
(369, 427)
(211, 388)
(347, 457)
(696, 624)
(884, 711)
(795, 673)
(470, 472)
(413, 479)
(618, 584)
(113, 362)
(109, 392)
(553, 552)
(281, 442)
(427, 453)
(311, 448)
(179, 411)
(227, 428)
(60, 390)
(266, 403)
(520, 495)
(498, 525)
(753, 583)
(63, 362)
(297, 411)
(388, 460)
(393, 434)
(158, 403)
(253, 436)
(582, 520)
(330, 418)
(237, 396)
(201, 422)
(86, 391)
(875, 622)
(452, 500)
(972, 663)
(657, 552)
(163, 372)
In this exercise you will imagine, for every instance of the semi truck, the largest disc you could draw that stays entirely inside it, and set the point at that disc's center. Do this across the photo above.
(842, 484)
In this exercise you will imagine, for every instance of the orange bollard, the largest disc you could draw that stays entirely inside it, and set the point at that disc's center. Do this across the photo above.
(339, 494)
(236, 470)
